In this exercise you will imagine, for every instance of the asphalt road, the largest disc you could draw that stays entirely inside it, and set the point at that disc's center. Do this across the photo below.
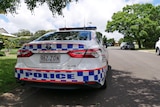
(135, 83)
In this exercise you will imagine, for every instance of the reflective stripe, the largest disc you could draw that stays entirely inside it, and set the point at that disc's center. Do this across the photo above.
(96, 75)
(53, 47)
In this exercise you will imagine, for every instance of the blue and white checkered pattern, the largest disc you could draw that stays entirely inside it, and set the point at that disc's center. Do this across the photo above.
(53, 47)
(62, 76)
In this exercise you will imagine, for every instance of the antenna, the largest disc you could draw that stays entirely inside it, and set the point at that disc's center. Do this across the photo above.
(84, 21)
(65, 23)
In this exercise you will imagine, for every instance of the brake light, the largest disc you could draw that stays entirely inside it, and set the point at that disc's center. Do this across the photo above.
(90, 53)
(24, 53)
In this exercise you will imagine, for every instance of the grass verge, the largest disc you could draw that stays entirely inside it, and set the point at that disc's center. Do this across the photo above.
(13, 51)
(146, 50)
(7, 79)
(2, 53)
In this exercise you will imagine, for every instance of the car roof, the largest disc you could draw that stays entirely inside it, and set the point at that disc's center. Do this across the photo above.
(79, 28)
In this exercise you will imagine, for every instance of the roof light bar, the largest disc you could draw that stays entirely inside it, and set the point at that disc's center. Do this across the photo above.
(79, 28)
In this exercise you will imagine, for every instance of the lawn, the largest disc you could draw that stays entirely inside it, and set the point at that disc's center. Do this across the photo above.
(7, 79)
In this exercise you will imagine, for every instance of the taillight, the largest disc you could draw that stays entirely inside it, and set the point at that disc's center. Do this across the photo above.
(90, 53)
(24, 53)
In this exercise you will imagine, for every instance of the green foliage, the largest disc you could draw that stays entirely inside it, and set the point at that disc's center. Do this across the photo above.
(23, 32)
(138, 22)
(9, 43)
(112, 41)
(55, 6)
(104, 40)
(2, 53)
(1, 45)
(149, 44)
(38, 34)
(121, 40)
(9, 6)
(128, 39)
(24, 36)
(23, 41)
(99, 36)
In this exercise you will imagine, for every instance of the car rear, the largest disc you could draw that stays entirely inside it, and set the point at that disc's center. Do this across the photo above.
(62, 63)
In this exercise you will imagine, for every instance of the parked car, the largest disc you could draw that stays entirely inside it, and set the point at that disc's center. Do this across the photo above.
(157, 47)
(127, 45)
(70, 58)
(110, 44)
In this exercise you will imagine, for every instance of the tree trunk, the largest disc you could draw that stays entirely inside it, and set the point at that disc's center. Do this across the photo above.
(139, 44)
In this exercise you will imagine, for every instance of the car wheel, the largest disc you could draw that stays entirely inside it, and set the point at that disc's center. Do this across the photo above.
(122, 48)
(109, 76)
(104, 86)
(158, 51)
(108, 79)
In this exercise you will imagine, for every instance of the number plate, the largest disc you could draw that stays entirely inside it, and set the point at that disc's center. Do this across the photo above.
(49, 58)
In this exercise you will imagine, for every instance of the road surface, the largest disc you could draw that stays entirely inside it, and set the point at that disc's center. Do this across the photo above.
(135, 83)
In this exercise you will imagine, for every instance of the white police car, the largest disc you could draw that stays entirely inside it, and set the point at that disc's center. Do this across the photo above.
(67, 59)
(157, 47)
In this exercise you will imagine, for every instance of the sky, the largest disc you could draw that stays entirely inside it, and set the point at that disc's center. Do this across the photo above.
(83, 13)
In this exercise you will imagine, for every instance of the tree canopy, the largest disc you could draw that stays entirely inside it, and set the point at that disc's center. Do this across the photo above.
(139, 22)
(55, 6)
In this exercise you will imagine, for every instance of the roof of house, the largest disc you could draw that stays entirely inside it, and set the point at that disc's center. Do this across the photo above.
(4, 33)
(2, 30)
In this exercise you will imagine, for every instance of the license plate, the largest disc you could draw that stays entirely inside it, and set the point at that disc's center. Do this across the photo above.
(49, 58)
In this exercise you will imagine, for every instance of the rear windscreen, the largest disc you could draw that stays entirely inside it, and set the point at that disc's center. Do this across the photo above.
(68, 35)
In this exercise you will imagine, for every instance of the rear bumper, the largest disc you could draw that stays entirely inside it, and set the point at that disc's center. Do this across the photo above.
(60, 85)
(62, 78)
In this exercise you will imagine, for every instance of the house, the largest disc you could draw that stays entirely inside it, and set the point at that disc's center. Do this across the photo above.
(5, 34)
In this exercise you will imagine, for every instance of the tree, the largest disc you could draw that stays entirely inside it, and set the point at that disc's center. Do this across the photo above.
(38, 34)
(99, 36)
(23, 33)
(111, 41)
(136, 21)
(1, 44)
(121, 40)
(9, 44)
(55, 6)
(104, 40)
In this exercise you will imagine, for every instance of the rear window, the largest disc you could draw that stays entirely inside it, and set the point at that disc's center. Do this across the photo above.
(68, 35)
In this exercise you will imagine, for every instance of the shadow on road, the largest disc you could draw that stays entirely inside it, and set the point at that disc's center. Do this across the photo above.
(125, 91)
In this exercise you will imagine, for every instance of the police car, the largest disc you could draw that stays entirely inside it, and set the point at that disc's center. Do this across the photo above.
(70, 58)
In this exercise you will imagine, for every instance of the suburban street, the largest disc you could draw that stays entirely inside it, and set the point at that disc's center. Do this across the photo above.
(135, 83)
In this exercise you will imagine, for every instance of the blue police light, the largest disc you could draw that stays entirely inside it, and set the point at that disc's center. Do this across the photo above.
(79, 28)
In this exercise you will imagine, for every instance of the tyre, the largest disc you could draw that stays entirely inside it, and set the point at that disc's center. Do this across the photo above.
(109, 76)
(123, 48)
(108, 79)
(104, 86)
(158, 51)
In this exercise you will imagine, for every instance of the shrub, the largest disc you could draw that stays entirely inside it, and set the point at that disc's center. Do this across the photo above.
(2, 53)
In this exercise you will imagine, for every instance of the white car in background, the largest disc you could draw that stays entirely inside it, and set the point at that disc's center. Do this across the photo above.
(157, 47)
(70, 58)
